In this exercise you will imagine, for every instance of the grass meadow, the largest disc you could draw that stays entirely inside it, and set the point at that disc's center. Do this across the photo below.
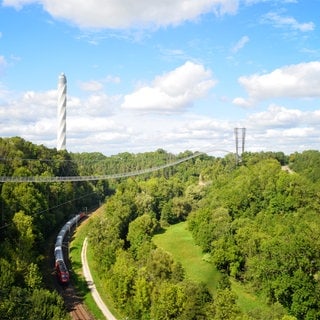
(177, 240)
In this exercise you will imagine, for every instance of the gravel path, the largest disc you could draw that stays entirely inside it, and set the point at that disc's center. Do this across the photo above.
(91, 285)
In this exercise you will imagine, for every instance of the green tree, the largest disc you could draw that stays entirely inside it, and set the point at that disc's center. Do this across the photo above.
(141, 230)
(196, 301)
(167, 301)
(208, 225)
(7, 276)
(225, 305)
(160, 265)
(142, 295)
(105, 240)
(33, 278)
(305, 298)
(25, 240)
(122, 279)
(180, 209)
(46, 305)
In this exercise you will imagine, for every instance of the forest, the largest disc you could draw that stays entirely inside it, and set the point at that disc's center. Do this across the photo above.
(256, 221)
(31, 213)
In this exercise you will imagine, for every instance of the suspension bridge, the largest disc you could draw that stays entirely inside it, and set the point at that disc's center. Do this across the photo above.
(42, 179)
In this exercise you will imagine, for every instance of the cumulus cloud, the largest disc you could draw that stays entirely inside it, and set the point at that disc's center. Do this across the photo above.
(132, 13)
(99, 104)
(37, 111)
(281, 21)
(173, 91)
(284, 118)
(277, 116)
(32, 115)
(283, 129)
(29, 105)
(293, 81)
(28, 115)
(96, 123)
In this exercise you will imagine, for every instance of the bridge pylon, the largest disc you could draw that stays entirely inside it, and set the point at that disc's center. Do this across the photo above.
(240, 137)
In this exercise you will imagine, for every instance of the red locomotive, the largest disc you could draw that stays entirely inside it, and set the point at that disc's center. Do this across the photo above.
(60, 266)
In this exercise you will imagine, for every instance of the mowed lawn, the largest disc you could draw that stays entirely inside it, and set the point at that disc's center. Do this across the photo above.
(178, 241)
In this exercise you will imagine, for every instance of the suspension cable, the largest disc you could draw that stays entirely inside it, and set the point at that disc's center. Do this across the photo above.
(94, 178)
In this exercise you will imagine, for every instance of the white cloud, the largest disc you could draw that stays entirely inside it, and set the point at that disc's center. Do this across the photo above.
(3, 63)
(37, 111)
(99, 104)
(282, 129)
(240, 44)
(97, 123)
(92, 85)
(280, 22)
(173, 91)
(294, 81)
(32, 115)
(112, 79)
(131, 13)
(276, 116)
(284, 118)
(98, 85)
(28, 106)
(242, 102)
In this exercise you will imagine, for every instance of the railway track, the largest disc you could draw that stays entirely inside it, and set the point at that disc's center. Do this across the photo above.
(80, 313)
(74, 304)
(73, 301)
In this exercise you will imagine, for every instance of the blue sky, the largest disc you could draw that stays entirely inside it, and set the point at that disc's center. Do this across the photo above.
(148, 74)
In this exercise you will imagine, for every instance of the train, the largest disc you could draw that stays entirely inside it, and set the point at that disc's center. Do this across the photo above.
(59, 264)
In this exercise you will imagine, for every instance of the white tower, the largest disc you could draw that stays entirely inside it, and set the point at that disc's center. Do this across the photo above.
(62, 104)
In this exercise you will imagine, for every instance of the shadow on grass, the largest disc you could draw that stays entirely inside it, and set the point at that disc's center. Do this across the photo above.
(79, 283)
(160, 231)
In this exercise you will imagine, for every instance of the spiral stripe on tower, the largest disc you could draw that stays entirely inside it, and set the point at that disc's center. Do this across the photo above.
(62, 113)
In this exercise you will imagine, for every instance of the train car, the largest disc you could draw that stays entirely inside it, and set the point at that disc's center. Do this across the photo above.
(62, 272)
(60, 266)
(58, 254)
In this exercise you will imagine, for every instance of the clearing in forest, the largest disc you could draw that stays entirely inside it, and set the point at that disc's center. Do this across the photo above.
(178, 241)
